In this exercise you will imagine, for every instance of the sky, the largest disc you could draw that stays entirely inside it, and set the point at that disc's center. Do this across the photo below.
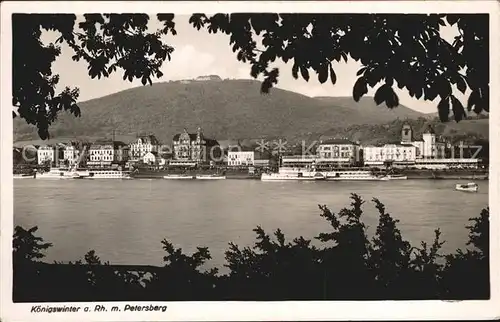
(199, 53)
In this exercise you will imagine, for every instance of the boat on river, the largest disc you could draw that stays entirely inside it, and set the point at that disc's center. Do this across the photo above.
(354, 175)
(210, 177)
(394, 177)
(59, 174)
(469, 187)
(179, 177)
(108, 174)
(299, 176)
(23, 176)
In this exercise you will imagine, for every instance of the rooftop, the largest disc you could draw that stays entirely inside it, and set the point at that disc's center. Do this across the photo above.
(339, 141)
(148, 139)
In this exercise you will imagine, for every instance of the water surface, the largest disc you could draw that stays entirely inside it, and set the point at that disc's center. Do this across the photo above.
(125, 220)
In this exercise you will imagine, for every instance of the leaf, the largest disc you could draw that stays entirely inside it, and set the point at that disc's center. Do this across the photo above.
(419, 92)
(305, 73)
(485, 101)
(322, 74)
(472, 100)
(380, 94)
(333, 76)
(359, 89)
(392, 99)
(344, 56)
(295, 70)
(361, 71)
(444, 88)
(444, 109)
(461, 85)
(458, 109)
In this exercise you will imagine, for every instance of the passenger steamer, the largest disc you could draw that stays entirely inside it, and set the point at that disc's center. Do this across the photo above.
(286, 174)
(210, 177)
(108, 174)
(178, 177)
(61, 173)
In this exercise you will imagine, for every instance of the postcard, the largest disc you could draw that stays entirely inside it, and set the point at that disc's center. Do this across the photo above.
(245, 161)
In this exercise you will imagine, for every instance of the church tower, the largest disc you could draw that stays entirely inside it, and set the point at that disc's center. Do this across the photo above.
(406, 133)
(429, 138)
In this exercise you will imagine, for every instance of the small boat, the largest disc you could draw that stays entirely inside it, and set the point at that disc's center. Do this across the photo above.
(470, 187)
(178, 177)
(210, 177)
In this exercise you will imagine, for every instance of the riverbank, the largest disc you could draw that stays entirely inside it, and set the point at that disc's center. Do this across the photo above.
(243, 174)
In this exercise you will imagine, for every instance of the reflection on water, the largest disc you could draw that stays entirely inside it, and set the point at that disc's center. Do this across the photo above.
(124, 221)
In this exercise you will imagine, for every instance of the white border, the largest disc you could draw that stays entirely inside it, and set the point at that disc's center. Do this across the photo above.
(246, 311)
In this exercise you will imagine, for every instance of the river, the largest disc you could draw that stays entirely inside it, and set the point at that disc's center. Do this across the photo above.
(125, 220)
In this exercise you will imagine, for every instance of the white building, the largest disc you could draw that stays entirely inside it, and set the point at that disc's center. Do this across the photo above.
(143, 145)
(45, 153)
(398, 153)
(428, 147)
(338, 149)
(150, 158)
(103, 153)
(209, 78)
(240, 158)
(71, 153)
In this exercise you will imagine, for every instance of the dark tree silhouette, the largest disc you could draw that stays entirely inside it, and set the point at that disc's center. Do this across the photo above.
(395, 50)
(105, 42)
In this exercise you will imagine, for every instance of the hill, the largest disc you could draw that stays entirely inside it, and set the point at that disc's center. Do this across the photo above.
(225, 109)
(367, 105)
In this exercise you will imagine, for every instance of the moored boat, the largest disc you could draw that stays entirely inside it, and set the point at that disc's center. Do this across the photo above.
(354, 175)
(108, 174)
(58, 174)
(469, 187)
(178, 177)
(290, 177)
(394, 177)
(23, 176)
(210, 177)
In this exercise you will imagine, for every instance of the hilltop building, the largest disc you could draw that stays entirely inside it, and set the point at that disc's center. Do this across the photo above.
(194, 148)
(209, 78)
